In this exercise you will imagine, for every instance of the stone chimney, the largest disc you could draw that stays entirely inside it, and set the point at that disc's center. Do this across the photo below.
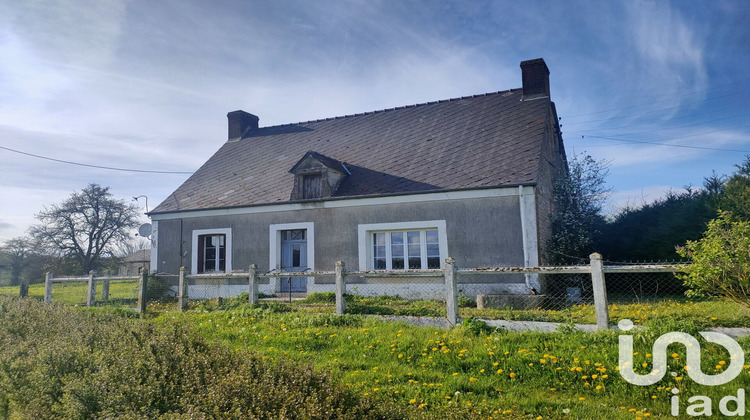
(240, 123)
(535, 76)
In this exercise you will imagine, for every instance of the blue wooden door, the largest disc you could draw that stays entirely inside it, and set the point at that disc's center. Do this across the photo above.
(293, 259)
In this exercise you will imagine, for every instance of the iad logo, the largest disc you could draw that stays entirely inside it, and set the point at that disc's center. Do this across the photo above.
(693, 349)
(702, 404)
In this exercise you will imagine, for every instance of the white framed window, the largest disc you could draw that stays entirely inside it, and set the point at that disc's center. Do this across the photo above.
(275, 236)
(212, 251)
(405, 245)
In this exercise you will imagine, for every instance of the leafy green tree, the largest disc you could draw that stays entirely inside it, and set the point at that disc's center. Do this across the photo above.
(87, 227)
(721, 260)
(578, 220)
(652, 231)
(735, 197)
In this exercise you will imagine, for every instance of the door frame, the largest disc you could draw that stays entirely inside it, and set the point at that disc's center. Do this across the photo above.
(274, 254)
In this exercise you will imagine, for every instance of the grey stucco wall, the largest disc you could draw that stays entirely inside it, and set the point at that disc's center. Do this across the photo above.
(551, 167)
(480, 232)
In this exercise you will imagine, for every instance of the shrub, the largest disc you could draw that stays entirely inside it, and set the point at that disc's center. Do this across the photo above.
(59, 362)
(320, 297)
(477, 327)
(721, 261)
(466, 302)
(156, 289)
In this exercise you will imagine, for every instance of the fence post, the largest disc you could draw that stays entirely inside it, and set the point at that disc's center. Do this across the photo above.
(48, 288)
(23, 289)
(142, 290)
(105, 290)
(340, 288)
(600, 292)
(91, 301)
(451, 291)
(183, 290)
(252, 279)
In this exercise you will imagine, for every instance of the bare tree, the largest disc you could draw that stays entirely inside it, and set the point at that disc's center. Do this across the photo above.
(86, 227)
(18, 251)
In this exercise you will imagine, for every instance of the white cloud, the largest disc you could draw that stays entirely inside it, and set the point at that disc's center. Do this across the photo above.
(671, 50)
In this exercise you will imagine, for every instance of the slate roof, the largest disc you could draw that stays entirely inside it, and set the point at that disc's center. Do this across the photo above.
(464, 143)
(141, 255)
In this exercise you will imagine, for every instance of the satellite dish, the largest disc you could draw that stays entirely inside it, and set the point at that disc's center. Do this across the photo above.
(145, 229)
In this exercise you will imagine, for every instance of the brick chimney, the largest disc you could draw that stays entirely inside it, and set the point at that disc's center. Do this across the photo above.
(535, 75)
(240, 123)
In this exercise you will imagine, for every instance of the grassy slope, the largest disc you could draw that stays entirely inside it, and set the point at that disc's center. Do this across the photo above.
(62, 362)
(70, 362)
(500, 374)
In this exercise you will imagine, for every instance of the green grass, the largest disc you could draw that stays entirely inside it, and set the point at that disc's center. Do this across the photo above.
(122, 292)
(214, 362)
(498, 374)
(706, 313)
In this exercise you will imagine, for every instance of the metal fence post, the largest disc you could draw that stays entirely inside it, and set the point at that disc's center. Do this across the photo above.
(183, 290)
(600, 292)
(451, 291)
(340, 288)
(48, 288)
(105, 290)
(142, 290)
(252, 278)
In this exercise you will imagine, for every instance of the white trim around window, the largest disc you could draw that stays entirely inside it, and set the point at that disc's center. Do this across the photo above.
(197, 233)
(366, 244)
(274, 246)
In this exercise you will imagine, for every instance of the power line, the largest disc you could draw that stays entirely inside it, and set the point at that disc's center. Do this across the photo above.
(671, 145)
(93, 166)
(667, 128)
(664, 100)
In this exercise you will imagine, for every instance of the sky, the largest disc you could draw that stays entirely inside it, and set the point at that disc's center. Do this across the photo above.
(657, 90)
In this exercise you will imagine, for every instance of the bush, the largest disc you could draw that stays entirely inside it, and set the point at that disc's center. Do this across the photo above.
(721, 261)
(59, 362)
(156, 289)
(466, 302)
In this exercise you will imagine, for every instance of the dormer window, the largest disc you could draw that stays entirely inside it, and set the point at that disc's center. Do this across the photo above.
(317, 176)
(311, 186)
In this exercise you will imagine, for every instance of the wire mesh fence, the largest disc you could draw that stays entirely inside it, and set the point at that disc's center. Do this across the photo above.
(555, 294)
(405, 293)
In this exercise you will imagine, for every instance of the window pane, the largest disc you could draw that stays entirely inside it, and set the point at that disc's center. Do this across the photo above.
(413, 237)
(295, 255)
(378, 251)
(433, 250)
(397, 250)
(432, 236)
(415, 263)
(433, 262)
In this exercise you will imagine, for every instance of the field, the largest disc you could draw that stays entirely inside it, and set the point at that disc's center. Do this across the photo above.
(471, 371)
(74, 293)
(493, 373)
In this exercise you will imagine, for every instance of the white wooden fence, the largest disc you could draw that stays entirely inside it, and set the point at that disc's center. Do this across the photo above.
(450, 278)
(92, 281)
